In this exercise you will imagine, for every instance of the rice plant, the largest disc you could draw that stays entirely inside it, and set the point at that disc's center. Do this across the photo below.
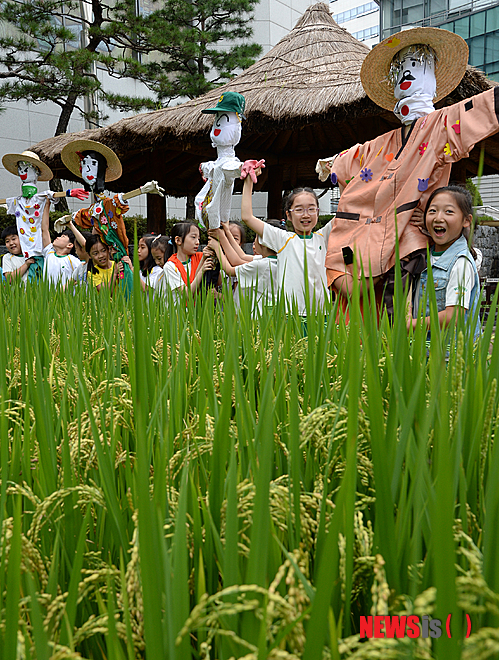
(178, 481)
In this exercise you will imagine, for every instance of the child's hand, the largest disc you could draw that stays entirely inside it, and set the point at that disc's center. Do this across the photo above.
(118, 270)
(417, 218)
(208, 252)
(127, 260)
(207, 264)
(213, 244)
(215, 233)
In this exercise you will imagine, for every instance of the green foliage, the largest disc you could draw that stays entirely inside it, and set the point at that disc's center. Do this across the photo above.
(189, 34)
(50, 51)
(180, 479)
(474, 192)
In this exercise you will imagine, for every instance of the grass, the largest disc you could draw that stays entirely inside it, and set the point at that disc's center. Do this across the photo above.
(178, 482)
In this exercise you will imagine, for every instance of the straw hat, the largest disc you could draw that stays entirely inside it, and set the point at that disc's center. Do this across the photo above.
(10, 163)
(71, 157)
(452, 58)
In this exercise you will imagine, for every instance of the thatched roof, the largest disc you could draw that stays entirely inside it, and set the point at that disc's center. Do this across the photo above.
(304, 100)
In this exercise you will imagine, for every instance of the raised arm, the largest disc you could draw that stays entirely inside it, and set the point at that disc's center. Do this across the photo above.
(235, 254)
(45, 225)
(205, 264)
(247, 216)
(78, 235)
(227, 267)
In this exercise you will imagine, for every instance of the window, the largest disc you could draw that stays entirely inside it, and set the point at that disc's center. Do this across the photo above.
(368, 33)
(492, 48)
(361, 10)
(477, 51)
(477, 25)
(462, 27)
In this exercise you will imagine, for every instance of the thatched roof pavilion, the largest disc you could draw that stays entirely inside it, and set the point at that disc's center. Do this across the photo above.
(304, 100)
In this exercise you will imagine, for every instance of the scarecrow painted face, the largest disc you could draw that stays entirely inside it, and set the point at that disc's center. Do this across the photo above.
(226, 130)
(28, 173)
(415, 73)
(89, 170)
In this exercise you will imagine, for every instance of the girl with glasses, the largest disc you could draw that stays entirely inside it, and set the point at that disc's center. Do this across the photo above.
(301, 254)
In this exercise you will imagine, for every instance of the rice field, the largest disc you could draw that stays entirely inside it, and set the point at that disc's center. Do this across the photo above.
(178, 483)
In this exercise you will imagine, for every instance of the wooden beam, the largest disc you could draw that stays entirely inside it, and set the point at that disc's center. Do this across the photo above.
(156, 214)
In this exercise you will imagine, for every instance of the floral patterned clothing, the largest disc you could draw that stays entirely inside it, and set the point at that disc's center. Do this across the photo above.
(29, 213)
(104, 215)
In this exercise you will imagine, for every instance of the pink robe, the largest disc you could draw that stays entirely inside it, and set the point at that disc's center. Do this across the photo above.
(383, 177)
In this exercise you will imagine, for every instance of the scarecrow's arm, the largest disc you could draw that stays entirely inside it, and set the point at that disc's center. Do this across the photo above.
(80, 193)
(151, 187)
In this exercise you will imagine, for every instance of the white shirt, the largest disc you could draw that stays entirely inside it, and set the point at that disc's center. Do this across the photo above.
(292, 251)
(258, 279)
(170, 278)
(459, 286)
(150, 278)
(12, 262)
(58, 269)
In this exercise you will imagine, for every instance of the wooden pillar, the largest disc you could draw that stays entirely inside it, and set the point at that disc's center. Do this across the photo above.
(274, 201)
(459, 172)
(190, 211)
(156, 214)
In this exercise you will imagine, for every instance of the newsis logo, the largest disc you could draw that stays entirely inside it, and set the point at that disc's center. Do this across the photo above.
(406, 626)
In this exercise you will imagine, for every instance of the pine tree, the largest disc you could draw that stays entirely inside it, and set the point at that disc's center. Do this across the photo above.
(190, 33)
(53, 49)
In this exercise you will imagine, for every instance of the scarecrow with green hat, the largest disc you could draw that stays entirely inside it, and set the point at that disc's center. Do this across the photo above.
(213, 202)
(31, 206)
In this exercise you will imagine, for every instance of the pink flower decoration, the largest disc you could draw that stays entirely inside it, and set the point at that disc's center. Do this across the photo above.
(104, 221)
(422, 148)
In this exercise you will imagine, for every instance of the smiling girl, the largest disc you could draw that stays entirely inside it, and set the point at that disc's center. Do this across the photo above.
(448, 217)
(300, 254)
(101, 270)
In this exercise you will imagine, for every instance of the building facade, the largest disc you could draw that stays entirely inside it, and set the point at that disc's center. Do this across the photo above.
(477, 21)
(361, 19)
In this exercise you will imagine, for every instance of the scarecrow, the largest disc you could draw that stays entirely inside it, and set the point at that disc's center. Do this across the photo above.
(384, 181)
(31, 206)
(97, 164)
(213, 202)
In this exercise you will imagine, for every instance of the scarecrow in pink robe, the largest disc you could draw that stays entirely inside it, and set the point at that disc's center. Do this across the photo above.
(385, 180)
